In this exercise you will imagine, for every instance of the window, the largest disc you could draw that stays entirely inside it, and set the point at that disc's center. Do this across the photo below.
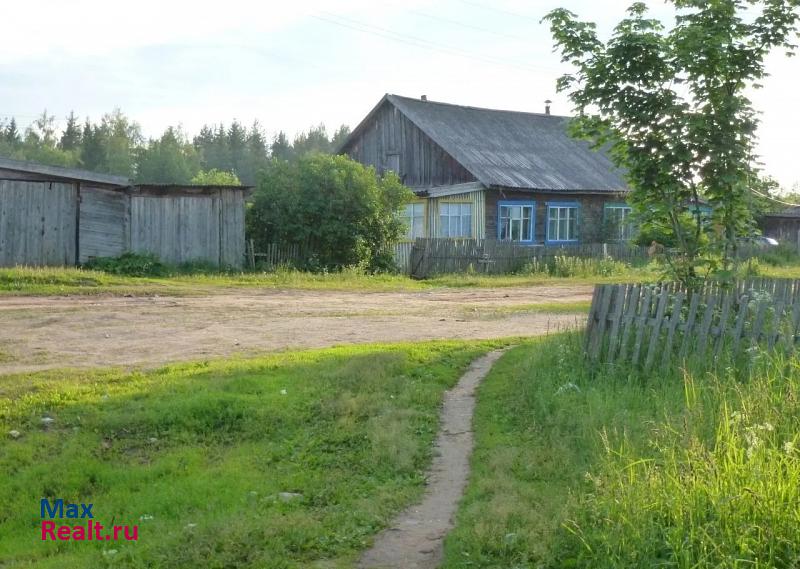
(414, 217)
(392, 163)
(455, 220)
(562, 222)
(515, 221)
(618, 219)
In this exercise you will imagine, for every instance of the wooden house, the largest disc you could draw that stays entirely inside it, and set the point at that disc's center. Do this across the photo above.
(63, 216)
(487, 173)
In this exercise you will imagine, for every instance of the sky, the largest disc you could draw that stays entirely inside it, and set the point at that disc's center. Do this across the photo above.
(292, 65)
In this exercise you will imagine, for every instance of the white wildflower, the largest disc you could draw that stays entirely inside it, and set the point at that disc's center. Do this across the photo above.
(788, 447)
(145, 517)
(567, 387)
(283, 392)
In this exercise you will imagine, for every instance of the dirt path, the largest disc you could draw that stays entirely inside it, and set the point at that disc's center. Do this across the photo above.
(415, 539)
(48, 332)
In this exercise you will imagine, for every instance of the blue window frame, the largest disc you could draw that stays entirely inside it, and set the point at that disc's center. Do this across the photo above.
(562, 222)
(516, 220)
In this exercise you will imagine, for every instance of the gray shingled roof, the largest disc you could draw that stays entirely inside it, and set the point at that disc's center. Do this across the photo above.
(792, 211)
(513, 149)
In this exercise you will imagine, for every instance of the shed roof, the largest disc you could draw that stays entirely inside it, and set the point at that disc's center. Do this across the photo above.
(63, 173)
(510, 149)
(793, 211)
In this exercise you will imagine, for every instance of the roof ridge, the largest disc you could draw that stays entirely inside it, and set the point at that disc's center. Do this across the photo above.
(473, 108)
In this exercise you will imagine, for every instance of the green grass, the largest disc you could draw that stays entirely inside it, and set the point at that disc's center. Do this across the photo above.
(614, 471)
(198, 454)
(72, 281)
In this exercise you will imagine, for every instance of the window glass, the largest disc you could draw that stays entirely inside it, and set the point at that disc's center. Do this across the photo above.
(455, 219)
(413, 216)
(562, 223)
(516, 222)
(620, 223)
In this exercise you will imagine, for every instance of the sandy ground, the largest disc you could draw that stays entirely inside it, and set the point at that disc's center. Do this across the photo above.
(49, 332)
(415, 538)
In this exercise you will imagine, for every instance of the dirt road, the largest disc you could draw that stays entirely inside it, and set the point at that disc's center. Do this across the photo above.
(48, 332)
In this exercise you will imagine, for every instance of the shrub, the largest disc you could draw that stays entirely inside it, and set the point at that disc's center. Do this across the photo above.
(334, 207)
(131, 264)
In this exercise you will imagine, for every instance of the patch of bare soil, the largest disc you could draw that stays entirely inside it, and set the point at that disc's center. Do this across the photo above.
(415, 539)
(49, 332)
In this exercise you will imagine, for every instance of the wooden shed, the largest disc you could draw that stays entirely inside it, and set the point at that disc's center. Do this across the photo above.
(63, 216)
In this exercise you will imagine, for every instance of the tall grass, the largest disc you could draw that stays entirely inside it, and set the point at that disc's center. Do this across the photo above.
(609, 469)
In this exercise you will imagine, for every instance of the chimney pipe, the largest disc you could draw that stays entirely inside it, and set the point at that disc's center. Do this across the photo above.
(547, 106)
(424, 98)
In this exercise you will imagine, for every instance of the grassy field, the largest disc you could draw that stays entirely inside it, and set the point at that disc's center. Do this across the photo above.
(694, 470)
(290, 460)
(72, 281)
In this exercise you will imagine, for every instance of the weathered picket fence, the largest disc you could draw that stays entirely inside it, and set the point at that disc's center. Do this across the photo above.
(441, 256)
(647, 325)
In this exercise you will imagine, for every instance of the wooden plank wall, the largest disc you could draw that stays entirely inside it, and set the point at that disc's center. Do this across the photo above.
(652, 325)
(232, 235)
(178, 229)
(104, 227)
(183, 229)
(422, 162)
(37, 223)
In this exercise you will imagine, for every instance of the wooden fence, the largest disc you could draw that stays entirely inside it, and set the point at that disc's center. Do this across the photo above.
(439, 256)
(646, 325)
(275, 255)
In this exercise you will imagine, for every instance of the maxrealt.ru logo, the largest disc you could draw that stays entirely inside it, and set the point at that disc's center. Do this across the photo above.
(88, 531)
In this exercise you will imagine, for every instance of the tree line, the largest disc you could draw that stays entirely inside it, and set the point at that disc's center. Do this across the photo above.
(115, 145)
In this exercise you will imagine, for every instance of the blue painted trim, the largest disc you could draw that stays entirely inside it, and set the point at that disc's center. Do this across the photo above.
(547, 239)
(533, 217)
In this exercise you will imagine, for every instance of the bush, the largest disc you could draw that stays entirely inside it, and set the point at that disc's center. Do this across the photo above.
(334, 207)
(131, 265)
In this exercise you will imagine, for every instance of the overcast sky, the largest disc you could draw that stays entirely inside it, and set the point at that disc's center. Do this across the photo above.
(295, 64)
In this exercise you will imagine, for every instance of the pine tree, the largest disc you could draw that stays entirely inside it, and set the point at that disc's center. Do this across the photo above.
(237, 143)
(92, 151)
(71, 137)
(11, 133)
(280, 148)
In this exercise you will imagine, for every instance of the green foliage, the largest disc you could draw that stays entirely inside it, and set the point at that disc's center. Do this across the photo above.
(131, 265)
(215, 177)
(672, 108)
(116, 145)
(565, 267)
(605, 469)
(197, 455)
(168, 160)
(333, 206)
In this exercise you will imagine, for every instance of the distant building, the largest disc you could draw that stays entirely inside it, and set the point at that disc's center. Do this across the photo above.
(783, 225)
(63, 216)
(493, 174)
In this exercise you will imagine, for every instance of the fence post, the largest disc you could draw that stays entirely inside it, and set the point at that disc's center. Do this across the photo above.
(605, 250)
(252, 255)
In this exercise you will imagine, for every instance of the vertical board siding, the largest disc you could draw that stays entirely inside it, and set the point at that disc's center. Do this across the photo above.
(478, 201)
(103, 223)
(37, 223)
(422, 161)
(184, 229)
